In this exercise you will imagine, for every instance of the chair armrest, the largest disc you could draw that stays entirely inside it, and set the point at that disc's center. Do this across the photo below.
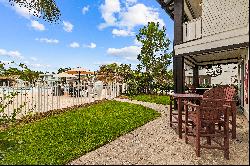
(226, 106)
(211, 99)
(190, 104)
(231, 100)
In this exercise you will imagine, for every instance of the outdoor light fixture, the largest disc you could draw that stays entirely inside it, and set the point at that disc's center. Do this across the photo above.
(214, 72)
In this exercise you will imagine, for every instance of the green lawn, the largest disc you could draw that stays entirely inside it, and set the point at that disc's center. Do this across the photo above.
(158, 99)
(61, 138)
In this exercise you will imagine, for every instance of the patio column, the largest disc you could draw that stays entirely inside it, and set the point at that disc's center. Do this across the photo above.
(196, 77)
(178, 69)
(178, 61)
(178, 21)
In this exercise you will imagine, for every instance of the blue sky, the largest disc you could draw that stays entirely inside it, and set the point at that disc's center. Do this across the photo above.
(90, 33)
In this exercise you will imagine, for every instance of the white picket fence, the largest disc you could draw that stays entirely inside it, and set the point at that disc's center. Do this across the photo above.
(42, 97)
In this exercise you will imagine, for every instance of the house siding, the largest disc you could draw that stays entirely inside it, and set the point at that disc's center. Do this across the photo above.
(223, 15)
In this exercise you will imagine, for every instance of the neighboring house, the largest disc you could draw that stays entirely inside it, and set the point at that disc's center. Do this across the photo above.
(210, 32)
(49, 78)
(8, 81)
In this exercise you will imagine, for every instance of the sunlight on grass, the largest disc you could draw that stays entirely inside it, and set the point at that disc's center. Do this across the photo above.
(158, 99)
(61, 138)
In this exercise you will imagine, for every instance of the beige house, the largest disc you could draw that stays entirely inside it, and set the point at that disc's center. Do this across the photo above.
(210, 32)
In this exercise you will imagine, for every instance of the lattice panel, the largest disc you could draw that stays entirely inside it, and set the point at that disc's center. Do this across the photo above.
(224, 15)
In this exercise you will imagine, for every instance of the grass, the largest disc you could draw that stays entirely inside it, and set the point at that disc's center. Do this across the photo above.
(61, 138)
(158, 99)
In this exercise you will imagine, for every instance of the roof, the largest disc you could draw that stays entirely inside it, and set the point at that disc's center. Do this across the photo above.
(78, 69)
(7, 78)
(191, 10)
(81, 70)
(168, 6)
(64, 75)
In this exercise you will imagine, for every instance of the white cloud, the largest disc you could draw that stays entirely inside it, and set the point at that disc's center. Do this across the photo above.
(137, 43)
(74, 45)
(108, 10)
(6, 62)
(13, 54)
(85, 9)
(67, 26)
(37, 26)
(21, 9)
(25, 12)
(130, 2)
(127, 17)
(36, 65)
(91, 45)
(129, 53)
(107, 62)
(139, 14)
(122, 32)
(46, 40)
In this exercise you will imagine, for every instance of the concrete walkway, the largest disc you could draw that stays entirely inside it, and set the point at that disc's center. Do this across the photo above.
(157, 143)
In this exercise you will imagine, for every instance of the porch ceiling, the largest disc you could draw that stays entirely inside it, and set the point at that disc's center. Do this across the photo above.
(195, 7)
(217, 57)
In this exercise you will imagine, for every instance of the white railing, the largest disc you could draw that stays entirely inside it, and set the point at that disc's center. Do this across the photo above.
(42, 97)
(192, 30)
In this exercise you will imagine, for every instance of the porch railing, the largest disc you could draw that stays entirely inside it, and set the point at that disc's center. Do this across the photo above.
(192, 29)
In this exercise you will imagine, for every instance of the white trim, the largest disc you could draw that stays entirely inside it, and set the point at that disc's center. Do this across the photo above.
(246, 113)
(222, 39)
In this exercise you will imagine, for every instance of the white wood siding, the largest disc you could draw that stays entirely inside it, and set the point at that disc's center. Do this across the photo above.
(223, 22)
(224, 15)
(192, 30)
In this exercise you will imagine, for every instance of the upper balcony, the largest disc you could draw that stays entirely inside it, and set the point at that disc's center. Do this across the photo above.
(192, 30)
(217, 18)
(208, 24)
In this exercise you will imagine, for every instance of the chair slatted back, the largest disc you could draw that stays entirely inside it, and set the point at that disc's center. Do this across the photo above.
(230, 92)
(215, 93)
(221, 92)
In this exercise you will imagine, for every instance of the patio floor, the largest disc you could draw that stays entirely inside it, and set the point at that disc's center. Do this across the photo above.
(157, 143)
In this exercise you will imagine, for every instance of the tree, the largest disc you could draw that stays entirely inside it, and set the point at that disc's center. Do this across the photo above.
(155, 45)
(24, 73)
(108, 72)
(61, 70)
(154, 56)
(124, 72)
(45, 9)
(7, 99)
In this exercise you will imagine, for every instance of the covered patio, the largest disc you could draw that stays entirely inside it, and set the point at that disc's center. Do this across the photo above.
(233, 54)
(207, 34)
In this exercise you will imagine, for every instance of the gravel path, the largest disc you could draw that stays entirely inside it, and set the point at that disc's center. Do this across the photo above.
(157, 143)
